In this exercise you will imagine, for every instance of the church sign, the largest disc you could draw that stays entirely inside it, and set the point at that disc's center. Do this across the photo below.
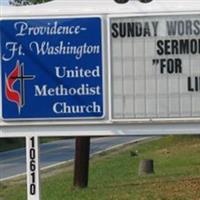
(52, 68)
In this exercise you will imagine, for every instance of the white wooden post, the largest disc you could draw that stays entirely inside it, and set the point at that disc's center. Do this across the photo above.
(33, 170)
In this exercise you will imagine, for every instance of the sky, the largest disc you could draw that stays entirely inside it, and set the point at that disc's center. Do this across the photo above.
(3, 2)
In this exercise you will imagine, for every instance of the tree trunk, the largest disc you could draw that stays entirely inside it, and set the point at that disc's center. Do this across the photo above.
(81, 167)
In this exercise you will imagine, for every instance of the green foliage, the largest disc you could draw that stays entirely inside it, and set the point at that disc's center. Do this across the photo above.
(7, 144)
(26, 2)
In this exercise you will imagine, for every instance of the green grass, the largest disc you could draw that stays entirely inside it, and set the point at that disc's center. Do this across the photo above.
(7, 144)
(114, 175)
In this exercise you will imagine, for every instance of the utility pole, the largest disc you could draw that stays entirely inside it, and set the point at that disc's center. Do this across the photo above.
(81, 167)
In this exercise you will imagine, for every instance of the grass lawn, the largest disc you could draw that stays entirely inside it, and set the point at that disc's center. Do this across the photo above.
(7, 144)
(114, 175)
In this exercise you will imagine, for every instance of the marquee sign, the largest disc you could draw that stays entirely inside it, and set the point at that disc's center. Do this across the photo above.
(155, 67)
(52, 68)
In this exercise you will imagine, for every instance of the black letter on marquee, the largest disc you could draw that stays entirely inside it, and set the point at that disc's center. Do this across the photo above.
(115, 33)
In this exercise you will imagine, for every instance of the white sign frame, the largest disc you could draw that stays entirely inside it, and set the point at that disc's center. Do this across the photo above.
(106, 126)
(109, 129)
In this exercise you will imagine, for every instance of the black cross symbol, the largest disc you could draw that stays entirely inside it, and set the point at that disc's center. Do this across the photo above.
(22, 78)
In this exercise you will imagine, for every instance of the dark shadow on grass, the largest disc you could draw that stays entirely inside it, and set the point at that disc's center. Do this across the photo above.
(149, 182)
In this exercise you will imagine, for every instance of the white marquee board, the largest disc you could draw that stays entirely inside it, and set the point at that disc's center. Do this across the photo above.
(155, 66)
(151, 76)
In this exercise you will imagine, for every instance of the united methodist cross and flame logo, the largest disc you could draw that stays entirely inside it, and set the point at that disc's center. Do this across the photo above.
(17, 75)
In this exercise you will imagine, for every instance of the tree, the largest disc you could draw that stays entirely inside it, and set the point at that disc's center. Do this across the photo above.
(26, 2)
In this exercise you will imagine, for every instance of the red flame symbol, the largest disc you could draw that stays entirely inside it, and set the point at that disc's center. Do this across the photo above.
(12, 94)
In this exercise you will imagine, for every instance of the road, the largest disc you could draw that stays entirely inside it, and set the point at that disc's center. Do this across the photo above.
(13, 163)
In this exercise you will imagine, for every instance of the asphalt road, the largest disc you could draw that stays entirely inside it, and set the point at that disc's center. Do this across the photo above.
(13, 163)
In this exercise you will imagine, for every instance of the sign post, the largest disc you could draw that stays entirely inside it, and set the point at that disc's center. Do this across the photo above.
(33, 169)
(81, 166)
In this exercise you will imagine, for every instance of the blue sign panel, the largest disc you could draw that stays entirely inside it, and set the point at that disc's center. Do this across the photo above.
(52, 68)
